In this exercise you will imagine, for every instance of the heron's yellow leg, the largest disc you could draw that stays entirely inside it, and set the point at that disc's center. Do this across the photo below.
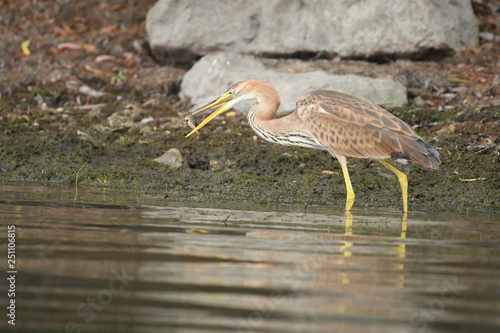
(350, 192)
(403, 181)
(349, 221)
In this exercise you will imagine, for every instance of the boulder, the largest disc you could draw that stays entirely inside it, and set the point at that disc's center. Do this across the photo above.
(350, 28)
(214, 73)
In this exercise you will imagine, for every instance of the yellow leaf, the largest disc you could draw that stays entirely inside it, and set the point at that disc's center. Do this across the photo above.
(456, 79)
(471, 179)
(25, 47)
(200, 231)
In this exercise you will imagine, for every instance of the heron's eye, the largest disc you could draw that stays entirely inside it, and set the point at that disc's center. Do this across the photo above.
(231, 92)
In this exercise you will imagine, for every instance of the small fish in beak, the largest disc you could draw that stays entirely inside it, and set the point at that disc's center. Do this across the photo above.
(190, 120)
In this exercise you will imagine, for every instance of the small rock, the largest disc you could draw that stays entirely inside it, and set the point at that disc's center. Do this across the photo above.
(419, 101)
(172, 158)
(127, 118)
(215, 165)
(173, 124)
(489, 36)
(146, 130)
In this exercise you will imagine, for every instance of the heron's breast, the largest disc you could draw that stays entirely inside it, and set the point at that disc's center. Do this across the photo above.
(290, 139)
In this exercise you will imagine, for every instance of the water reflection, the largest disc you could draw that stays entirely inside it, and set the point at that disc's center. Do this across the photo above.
(112, 263)
(399, 249)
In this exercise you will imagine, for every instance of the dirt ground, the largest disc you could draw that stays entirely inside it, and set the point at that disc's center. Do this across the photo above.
(82, 101)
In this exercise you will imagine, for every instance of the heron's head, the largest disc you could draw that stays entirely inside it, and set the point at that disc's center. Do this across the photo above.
(237, 93)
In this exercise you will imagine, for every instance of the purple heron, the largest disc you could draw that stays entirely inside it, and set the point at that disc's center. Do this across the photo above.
(343, 125)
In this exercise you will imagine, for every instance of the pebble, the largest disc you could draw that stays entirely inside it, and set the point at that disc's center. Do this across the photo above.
(172, 158)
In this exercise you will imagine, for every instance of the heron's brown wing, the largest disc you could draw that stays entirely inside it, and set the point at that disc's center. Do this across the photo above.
(350, 126)
(349, 109)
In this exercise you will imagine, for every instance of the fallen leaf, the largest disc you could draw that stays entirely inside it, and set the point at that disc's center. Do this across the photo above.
(68, 46)
(86, 90)
(89, 48)
(25, 47)
(97, 72)
(46, 15)
(24, 5)
(76, 46)
(105, 57)
(117, 7)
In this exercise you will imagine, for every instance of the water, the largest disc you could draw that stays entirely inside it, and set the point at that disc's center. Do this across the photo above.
(98, 261)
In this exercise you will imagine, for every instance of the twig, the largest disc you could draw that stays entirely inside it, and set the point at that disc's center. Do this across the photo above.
(76, 181)
(88, 107)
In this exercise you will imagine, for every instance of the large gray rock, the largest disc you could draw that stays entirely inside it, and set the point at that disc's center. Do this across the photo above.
(214, 73)
(351, 28)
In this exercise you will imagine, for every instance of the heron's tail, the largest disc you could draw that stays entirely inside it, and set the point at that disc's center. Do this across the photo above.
(433, 157)
(419, 152)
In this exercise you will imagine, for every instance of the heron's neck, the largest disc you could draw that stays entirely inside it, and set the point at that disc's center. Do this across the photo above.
(262, 113)
(261, 119)
(268, 102)
(284, 131)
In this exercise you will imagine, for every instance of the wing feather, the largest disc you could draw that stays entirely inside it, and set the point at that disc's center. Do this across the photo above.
(350, 126)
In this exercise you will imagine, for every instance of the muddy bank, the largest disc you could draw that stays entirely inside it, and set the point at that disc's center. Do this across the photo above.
(88, 105)
(227, 162)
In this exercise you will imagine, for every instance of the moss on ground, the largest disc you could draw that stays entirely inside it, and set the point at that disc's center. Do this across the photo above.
(48, 146)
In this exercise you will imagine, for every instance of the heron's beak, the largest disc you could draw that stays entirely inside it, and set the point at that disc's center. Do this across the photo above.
(223, 99)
